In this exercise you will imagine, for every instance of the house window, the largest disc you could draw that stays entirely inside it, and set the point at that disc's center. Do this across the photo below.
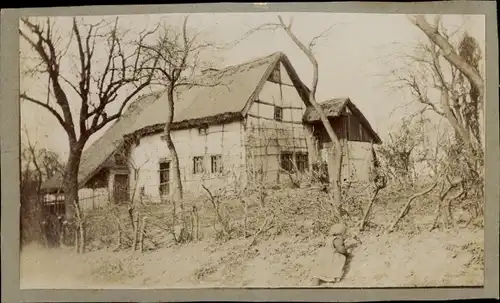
(278, 113)
(203, 130)
(198, 165)
(120, 160)
(275, 75)
(355, 130)
(302, 162)
(216, 164)
(164, 178)
(286, 161)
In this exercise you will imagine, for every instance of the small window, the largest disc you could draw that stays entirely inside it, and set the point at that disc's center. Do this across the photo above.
(302, 162)
(120, 159)
(198, 165)
(216, 164)
(278, 113)
(275, 75)
(286, 161)
(164, 178)
(203, 130)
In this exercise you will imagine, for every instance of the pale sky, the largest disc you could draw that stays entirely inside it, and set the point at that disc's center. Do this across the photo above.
(350, 58)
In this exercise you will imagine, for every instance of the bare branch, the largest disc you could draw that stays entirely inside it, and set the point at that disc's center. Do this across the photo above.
(307, 52)
(322, 35)
(47, 107)
(432, 32)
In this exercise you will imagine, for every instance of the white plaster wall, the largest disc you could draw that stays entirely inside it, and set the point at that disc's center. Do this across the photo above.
(92, 199)
(357, 160)
(220, 139)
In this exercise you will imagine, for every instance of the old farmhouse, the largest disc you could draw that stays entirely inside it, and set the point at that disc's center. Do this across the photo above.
(250, 123)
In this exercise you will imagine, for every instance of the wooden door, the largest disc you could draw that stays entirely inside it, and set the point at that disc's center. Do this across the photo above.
(164, 178)
(121, 189)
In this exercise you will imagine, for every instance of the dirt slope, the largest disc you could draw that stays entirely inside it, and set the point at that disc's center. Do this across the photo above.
(436, 258)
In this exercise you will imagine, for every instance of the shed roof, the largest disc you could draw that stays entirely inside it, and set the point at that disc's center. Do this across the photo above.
(334, 108)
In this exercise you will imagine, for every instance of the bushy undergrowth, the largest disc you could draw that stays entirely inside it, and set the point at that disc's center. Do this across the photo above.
(303, 212)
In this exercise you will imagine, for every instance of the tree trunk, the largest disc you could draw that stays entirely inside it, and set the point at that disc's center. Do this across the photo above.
(459, 129)
(71, 183)
(176, 174)
(336, 147)
(73, 220)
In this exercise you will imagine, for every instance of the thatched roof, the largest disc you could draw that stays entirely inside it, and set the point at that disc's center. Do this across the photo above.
(224, 95)
(334, 108)
(218, 96)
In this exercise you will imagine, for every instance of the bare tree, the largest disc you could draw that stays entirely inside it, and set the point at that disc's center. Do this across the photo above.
(308, 51)
(462, 93)
(403, 150)
(38, 164)
(50, 163)
(178, 58)
(95, 86)
(443, 75)
(458, 60)
(30, 210)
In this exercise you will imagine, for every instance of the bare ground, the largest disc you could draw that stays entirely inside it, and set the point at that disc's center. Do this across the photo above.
(439, 258)
(284, 256)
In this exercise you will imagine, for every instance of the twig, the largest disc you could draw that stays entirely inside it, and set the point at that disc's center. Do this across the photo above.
(245, 218)
(119, 240)
(215, 204)
(261, 229)
(368, 208)
(406, 208)
(442, 197)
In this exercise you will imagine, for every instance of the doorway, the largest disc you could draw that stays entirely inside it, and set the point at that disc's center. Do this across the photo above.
(121, 188)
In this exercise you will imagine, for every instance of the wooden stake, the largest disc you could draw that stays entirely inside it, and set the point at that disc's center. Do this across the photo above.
(141, 240)
(76, 240)
(368, 209)
(136, 232)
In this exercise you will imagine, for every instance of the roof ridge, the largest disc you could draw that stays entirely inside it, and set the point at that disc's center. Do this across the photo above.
(220, 73)
(251, 61)
(335, 99)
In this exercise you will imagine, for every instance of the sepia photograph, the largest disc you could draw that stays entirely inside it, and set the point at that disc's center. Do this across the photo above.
(252, 149)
